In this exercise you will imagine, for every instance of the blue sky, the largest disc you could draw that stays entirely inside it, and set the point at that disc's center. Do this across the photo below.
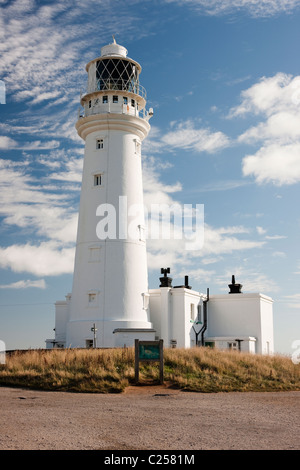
(223, 78)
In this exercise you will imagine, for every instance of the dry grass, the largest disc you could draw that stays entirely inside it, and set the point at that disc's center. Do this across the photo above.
(210, 370)
(112, 370)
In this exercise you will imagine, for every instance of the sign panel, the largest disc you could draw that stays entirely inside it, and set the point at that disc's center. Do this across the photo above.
(149, 351)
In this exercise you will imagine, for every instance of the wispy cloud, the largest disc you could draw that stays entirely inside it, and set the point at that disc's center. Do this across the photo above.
(46, 214)
(25, 284)
(252, 280)
(184, 135)
(43, 46)
(293, 300)
(255, 8)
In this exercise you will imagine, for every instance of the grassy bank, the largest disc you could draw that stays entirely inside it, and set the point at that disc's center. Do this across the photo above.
(112, 370)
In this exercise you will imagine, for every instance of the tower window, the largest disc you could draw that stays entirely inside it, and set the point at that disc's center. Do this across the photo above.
(92, 298)
(133, 103)
(141, 233)
(137, 146)
(115, 98)
(105, 99)
(90, 104)
(94, 255)
(125, 99)
(97, 180)
(99, 144)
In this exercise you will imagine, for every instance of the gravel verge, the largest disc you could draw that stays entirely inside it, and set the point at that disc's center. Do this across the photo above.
(150, 418)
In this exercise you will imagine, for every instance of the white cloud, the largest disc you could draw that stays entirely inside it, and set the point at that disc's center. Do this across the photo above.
(251, 280)
(46, 259)
(73, 171)
(274, 163)
(283, 126)
(269, 95)
(276, 99)
(260, 230)
(217, 242)
(7, 143)
(155, 190)
(25, 284)
(186, 136)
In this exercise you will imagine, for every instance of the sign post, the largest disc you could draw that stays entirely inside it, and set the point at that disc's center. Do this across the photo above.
(149, 351)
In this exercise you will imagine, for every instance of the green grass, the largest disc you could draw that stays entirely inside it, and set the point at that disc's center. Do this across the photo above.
(112, 370)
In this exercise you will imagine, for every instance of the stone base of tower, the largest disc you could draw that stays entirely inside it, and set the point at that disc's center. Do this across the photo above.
(109, 334)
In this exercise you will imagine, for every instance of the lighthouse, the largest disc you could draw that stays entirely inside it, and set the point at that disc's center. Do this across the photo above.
(110, 304)
(109, 300)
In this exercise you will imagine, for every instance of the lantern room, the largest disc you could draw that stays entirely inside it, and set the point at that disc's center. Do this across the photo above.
(113, 84)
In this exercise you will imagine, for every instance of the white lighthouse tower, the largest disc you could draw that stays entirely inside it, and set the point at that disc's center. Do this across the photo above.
(110, 284)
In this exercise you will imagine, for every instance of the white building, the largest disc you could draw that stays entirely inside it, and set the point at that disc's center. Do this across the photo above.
(110, 291)
(185, 318)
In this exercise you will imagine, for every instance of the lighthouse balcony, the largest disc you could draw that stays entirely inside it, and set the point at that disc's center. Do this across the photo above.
(114, 96)
(114, 102)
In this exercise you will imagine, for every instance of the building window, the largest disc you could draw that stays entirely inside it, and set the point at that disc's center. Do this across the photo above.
(99, 144)
(89, 343)
(105, 99)
(90, 104)
(115, 99)
(133, 103)
(92, 298)
(199, 313)
(192, 312)
(97, 180)
(233, 346)
(94, 256)
(125, 99)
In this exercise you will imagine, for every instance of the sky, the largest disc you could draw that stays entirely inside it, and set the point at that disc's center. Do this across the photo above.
(223, 79)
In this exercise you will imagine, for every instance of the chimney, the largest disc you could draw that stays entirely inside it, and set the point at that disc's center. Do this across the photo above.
(186, 282)
(165, 281)
(234, 287)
